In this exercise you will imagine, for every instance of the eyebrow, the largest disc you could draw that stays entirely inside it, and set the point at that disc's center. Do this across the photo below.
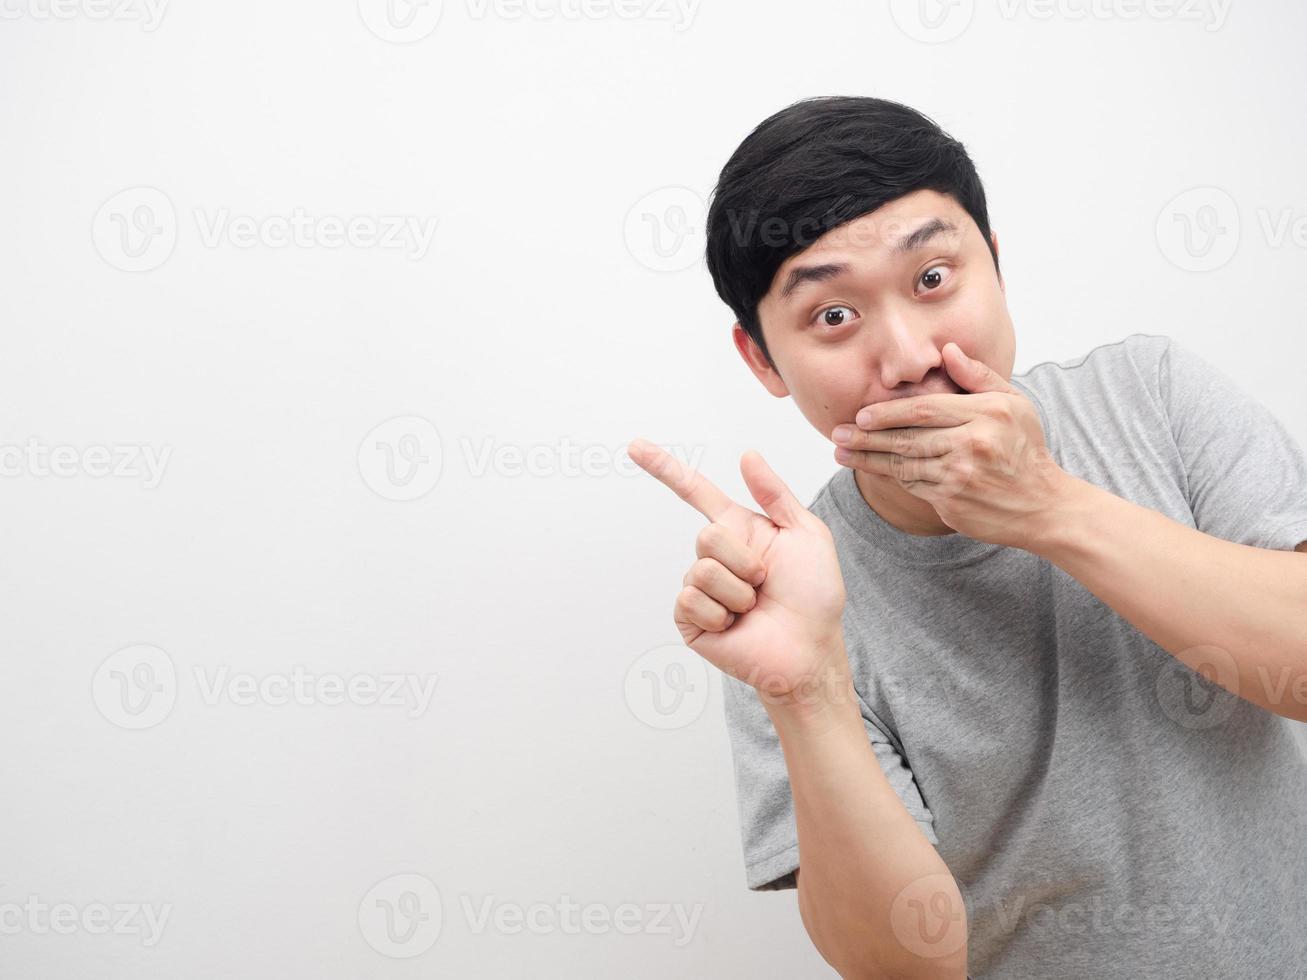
(910, 242)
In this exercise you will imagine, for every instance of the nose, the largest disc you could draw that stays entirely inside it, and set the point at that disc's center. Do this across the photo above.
(907, 355)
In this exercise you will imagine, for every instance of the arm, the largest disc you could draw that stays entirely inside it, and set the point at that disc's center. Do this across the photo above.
(1188, 591)
(764, 604)
(982, 461)
(867, 868)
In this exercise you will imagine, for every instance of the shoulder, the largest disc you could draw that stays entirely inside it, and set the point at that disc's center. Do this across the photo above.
(825, 503)
(1128, 369)
(1141, 350)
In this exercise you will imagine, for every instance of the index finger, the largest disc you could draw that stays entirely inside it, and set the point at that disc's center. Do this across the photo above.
(690, 485)
(942, 409)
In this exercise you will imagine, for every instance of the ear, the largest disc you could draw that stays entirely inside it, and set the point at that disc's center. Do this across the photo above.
(753, 356)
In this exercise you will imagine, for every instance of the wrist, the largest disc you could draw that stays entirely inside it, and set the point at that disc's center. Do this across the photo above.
(822, 698)
(1058, 523)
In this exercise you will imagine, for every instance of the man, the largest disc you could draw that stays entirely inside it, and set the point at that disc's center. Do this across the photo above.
(1015, 693)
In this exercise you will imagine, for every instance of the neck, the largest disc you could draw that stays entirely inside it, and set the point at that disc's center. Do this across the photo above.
(897, 507)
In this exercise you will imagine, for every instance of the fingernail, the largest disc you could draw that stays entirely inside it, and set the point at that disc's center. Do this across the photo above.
(842, 455)
(863, 418)
(842, 433)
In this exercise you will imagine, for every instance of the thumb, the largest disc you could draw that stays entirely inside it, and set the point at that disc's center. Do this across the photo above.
(974, 376)
(770, 491)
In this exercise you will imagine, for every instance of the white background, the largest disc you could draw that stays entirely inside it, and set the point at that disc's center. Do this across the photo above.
(544, 768)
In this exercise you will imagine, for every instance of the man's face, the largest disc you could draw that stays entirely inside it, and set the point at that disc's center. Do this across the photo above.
(863, 314)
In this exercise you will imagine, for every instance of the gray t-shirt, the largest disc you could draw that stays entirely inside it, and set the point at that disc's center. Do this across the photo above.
(1106, 811)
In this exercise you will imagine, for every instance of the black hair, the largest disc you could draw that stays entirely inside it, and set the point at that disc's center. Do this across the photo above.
(816, 165)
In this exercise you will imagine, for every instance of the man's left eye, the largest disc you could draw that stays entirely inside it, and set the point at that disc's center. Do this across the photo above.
(934, 276)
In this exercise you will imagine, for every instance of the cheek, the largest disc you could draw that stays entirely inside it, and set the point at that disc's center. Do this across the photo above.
(981, 333)
(827, 399)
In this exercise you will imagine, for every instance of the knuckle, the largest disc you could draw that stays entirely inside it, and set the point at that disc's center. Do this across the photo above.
(680, 608)
(901, 442)
(710, 538)
(690, 484)
(699, 574)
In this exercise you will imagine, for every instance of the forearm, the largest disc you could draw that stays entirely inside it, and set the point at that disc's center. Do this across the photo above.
(1189, 592)
(860, 847)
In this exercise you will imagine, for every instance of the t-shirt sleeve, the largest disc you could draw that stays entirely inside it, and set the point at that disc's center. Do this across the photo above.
(762, 786)
(1246, 475)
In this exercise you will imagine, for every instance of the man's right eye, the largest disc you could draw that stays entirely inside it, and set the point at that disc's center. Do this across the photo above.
(836, 316)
